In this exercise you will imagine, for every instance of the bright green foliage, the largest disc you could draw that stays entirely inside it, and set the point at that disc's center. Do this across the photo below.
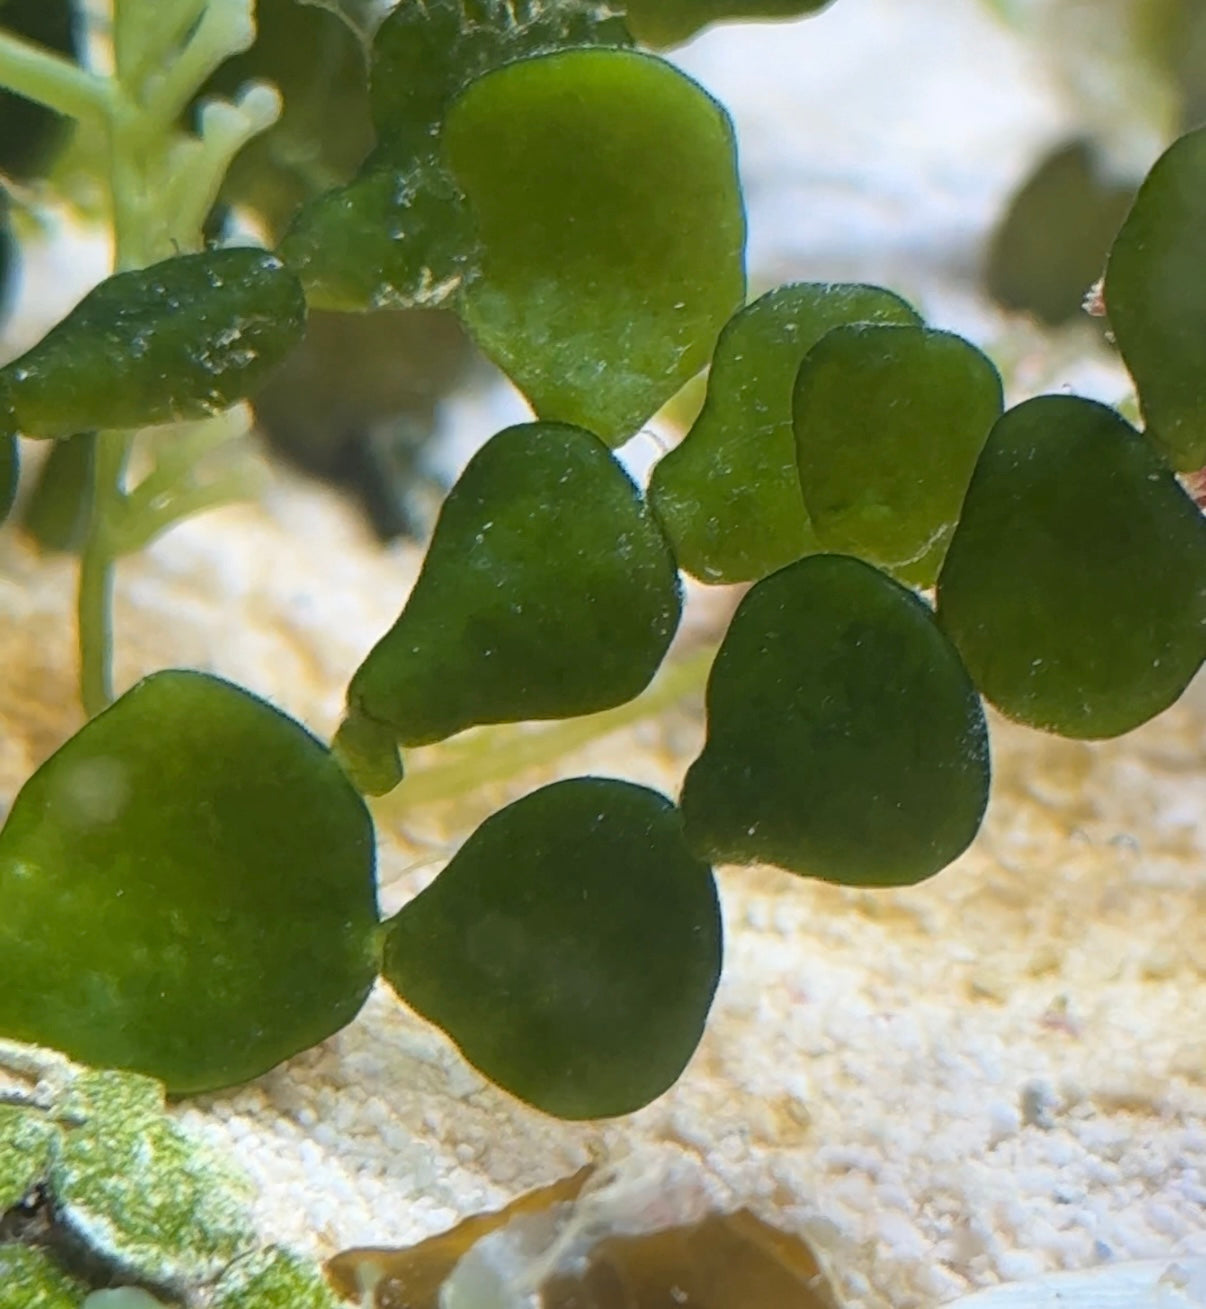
(397, 236)
(425, 54)
(190, 880)
(729, 494)
(153, 1202)
(605, 191)
(27, 1142)
(548, 591)
(889, 422)
(571, 948)
(30, 1279)
(1075, 586)
(845, 739)
(181, 339)
(1155, 293)
(667, 22)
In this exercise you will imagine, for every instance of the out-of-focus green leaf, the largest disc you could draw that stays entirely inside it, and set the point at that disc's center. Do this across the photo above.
(729, 494)
(845, 739)
(10, 456)
(424, 54)
(570, 949)
(668, 22)
(30, 133)
(316, 57)
(186, 890)
(30, 1279)
(548, 591)
(605, 191)
(1075, 585)
(1155, 294)
(181, 339)
(58, 511)
(398, 236)
(1051, 245)
(889, 422)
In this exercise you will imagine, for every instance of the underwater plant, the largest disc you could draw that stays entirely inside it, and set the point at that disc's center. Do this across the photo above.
(189, 881)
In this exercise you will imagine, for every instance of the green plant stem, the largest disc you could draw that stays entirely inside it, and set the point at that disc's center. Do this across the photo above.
(494, 754)
(48, 79)
(97, 565)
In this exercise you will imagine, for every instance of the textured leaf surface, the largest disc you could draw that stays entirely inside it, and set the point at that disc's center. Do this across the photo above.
(605, 191)
(397, 236)
(548, 591)
(181, 339)
(186, 889)
(424, 54)
(889, 422)
(571, 948)
(667, 22)
(1075, 585)
(845, 739)
(729, 493)
(30, 1279)
(1155, 293)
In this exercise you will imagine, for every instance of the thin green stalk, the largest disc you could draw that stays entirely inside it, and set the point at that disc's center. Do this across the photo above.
(494, 754)
(47, 78)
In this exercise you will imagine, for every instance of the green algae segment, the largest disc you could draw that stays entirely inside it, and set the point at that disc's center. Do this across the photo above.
(729, 494)
(548, 591)
(182, 339)
(190, 879)
(1155, 295)
(1075, 585)
(604, 188)
(845, 739)
(571, 948)
(889, 422)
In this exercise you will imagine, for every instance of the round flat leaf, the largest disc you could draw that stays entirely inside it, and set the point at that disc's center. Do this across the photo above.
(668, 22)
(571, 948)
(548, 591)
(604, 186)
(397, 236)
(1155, 295)
(729, 494)
(1075, 586)
(182, 339)
(424, 54)
(889, 422)
(845, 739)
(186, 890)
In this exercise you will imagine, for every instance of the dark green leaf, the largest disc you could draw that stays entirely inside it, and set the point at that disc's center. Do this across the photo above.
(397, 236)
(58, 512)
(30, 133)
(889, 422)
(1051, 245)
(1155, 294)
(845, 739)
(604, 186)
(424, 54)
(667, 22)
(571, 948)
(181, 339)
(1075, 586)
(729, 494)
(186, 890)
(547, 591)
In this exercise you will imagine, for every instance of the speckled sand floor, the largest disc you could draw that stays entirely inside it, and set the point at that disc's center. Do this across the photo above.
(1000, 1072)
